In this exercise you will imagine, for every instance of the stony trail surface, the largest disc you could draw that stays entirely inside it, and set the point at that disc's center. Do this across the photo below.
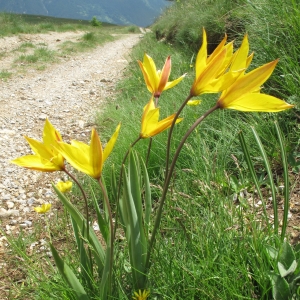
(69, 94)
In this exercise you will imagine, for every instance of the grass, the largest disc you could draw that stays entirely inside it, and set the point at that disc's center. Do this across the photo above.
(212, 241)
(37, 55)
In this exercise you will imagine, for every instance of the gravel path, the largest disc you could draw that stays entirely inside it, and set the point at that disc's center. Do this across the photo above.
(69, 94)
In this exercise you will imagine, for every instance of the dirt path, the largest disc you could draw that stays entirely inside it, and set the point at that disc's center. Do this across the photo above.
(69, 94)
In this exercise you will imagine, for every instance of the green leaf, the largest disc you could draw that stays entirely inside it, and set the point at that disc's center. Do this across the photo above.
(69, 276)
(98, 250)
(270, 176)
(280, 287)
(103, 225)
(286, 260)
(136, 237)
(148, 200)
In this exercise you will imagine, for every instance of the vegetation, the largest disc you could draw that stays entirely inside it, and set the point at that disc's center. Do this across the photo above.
(215, 241)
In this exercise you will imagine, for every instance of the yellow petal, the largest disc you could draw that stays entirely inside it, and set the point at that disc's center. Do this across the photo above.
(202, 55)
(149, 65)
(209, 74)
(39, 148)
(250, 82)
(171, 84)
(258, 102)
(50, 134)
(110, 145)
(36, 162)
(76, 157)
(43, 209)
(96, 154)
(194, 102)
(64, 187)
(240, 56)
(150, 86)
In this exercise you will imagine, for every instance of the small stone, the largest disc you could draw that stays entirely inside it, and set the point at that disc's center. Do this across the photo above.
(42, 117)
(10, 204)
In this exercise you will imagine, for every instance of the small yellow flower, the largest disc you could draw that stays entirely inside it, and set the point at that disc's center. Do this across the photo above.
(64, 187)
(194, 102)
(45, 158)
(150, 124)
(88, 159)
(244, 94)
(43, 209)
(141, 295)
(156, 80)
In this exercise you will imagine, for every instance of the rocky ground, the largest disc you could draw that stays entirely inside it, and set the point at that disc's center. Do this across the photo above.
(69, 93)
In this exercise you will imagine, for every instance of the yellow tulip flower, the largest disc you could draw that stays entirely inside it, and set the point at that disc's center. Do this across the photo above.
(46, 158)
(43, 209)
(150, 124)
(209, 70)
(64, 187)
(88, 159)
(244, 94)
(156, 80)
(141, 295)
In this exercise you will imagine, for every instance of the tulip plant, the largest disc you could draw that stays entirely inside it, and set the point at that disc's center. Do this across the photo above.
(224, 72)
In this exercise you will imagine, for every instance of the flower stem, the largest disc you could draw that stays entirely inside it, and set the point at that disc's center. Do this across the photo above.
(171, 131)
(112, 233)
(168, 179)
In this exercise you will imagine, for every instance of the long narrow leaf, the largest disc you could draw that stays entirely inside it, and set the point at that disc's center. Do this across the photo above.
(253, 174)
(69, 276)
(137, 242)
(148, 201)
(286, 182)
(270, 175)
(99, 253)
(103, 225)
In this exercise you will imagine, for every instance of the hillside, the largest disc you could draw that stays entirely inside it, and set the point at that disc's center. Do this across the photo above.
(139, 12)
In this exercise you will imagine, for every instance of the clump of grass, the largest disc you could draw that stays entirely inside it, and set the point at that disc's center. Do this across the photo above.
(25, 46)
(95, 22)
(39, 55)
(4, 74)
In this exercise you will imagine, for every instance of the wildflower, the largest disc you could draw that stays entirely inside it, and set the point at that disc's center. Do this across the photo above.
(209, 70)
(45, 158)
(194, 102)
(88, 159)
(141, 295)
(43, 209)
(150, 124)
(244, 93)
(64, 187)
(156, 80)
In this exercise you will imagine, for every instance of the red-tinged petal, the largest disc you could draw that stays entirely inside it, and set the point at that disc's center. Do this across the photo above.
(37, 163)
(164, 76)
(257, 102)
(111, 143)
